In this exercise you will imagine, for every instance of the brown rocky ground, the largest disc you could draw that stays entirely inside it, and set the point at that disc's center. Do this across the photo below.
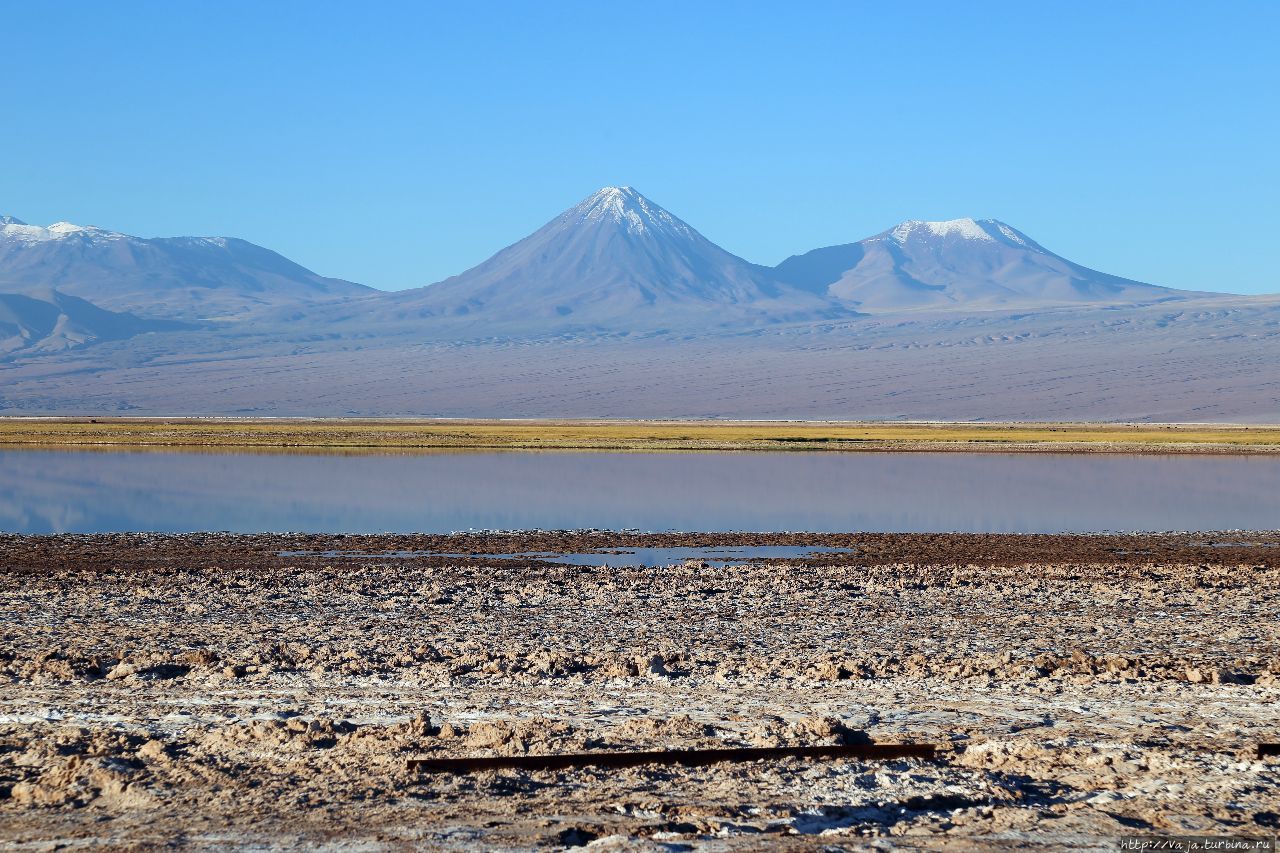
(204, 690)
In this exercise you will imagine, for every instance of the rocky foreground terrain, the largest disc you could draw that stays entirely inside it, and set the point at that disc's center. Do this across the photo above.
(205, 690)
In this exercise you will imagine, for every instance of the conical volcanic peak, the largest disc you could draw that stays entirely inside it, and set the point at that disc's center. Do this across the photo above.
(615, 261)
(628, 208)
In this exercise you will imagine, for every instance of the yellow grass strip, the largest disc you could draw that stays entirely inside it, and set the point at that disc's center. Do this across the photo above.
(628, 435)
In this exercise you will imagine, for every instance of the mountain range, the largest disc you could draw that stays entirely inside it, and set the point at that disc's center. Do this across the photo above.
(183, 278)
(616, 307)
(615, 262)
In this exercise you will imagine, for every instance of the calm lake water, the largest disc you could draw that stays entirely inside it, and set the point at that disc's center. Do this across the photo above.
(72, 491)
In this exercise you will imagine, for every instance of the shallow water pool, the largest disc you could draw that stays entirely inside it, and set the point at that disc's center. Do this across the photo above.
(77, 491)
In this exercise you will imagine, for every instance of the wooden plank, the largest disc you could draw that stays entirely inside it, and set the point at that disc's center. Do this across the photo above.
(684, 757)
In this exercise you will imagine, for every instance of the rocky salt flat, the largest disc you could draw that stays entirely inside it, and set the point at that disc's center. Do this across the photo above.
(205, 690)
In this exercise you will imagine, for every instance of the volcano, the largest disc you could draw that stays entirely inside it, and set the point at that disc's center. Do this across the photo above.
(618, 261)
(958, 263)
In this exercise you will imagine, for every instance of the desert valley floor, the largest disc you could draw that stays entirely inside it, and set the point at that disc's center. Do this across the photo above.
(270, 689)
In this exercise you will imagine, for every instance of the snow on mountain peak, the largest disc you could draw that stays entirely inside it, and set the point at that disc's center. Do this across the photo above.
(70, 228)
(625, 206)
(966, 229)
(981, 230)
(1013, 235)
(18, 230)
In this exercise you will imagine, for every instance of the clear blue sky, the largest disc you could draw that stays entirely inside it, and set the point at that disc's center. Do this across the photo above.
(396, 144)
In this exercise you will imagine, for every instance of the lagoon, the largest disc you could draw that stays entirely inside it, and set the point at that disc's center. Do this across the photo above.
(56, 491)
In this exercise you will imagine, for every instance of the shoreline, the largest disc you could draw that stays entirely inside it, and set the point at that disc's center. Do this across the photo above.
(19, 553)
(434, 435)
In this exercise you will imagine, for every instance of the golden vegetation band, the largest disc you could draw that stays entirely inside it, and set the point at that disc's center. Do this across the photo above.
(628, 435)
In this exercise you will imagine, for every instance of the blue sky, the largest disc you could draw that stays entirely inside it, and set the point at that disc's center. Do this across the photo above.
(397, 144)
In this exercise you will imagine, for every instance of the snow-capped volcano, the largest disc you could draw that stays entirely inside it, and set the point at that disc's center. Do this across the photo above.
(617, 260)
(628, 208)
(957, 263)
(173, 277)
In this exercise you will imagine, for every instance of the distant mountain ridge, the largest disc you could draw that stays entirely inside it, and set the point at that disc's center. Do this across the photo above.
(958, 263)
(54, 322)
(621, 262)
(188, 278)
(618, 308)
(615, 263)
